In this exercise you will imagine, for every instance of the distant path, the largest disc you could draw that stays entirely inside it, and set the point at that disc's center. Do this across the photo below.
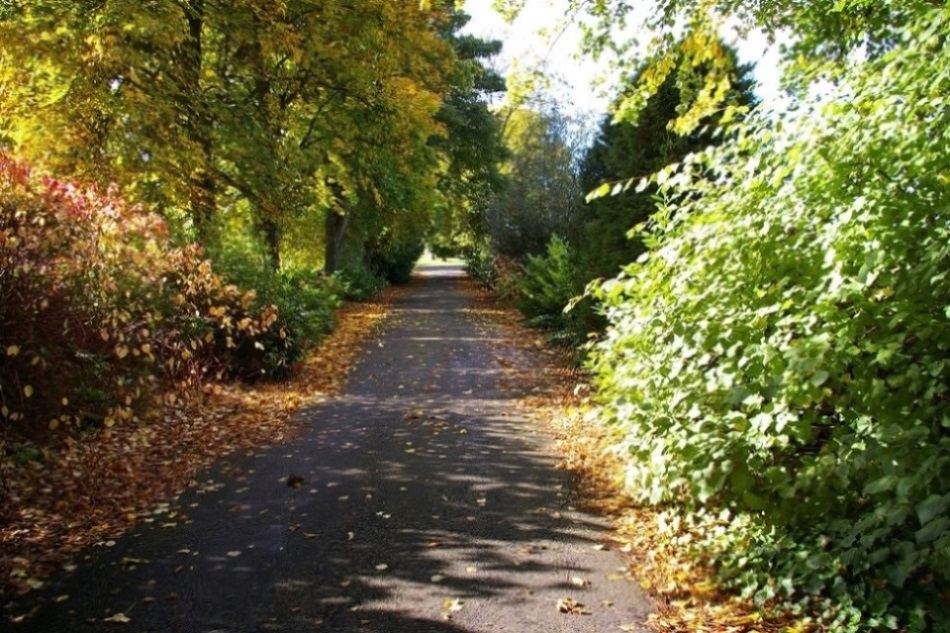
(426, 505)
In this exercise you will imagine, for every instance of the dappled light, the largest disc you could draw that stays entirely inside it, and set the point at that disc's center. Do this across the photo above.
(310, 319)
(424, 493)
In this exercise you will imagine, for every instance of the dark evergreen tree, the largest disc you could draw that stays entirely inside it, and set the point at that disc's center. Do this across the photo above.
(473, 143)
(622, 151)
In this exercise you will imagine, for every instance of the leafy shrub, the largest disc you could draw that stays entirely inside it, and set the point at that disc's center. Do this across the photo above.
(547, 286)
(358, 282)
(783, 353)
(98, 310)
(548, 296)
(394, 261)
(304, 301)
(479, 266)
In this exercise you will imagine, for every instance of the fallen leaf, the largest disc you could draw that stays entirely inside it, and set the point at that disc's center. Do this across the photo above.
(453, 605)
(571, 607)
(437, 578)
(382, 567)
(577, 581)
(118, 618)
(234, 553)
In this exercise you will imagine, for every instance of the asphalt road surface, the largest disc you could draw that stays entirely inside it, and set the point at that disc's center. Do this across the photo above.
(419, 501)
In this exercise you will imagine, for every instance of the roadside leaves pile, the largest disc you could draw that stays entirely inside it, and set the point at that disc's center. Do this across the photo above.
(56, 503)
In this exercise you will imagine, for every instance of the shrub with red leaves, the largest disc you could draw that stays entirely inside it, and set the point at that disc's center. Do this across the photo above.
(100, 313)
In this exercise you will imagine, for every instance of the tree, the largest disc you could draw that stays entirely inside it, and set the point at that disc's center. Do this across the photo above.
(249, 107)
(686, 36)
(603, 242)
(473, 148)
(543, 192)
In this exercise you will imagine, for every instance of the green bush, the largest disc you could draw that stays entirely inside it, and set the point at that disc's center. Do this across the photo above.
(782, 355)
(304, 303)
(551, 298)
(358, 282)
(547, 286)
(394, 261)
(479, 264)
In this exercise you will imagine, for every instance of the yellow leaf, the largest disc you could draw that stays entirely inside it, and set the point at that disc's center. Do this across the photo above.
(53, 425)
(28, 391)
(13, 350)
(118, 618)
(121, 351)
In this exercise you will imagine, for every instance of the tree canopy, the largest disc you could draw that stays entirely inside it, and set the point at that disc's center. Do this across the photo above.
(265, 115)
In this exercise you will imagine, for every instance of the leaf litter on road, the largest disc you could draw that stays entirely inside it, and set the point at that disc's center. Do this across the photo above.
(682, 585)
(92, 489)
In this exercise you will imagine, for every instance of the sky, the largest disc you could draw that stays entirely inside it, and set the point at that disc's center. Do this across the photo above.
(585, 87)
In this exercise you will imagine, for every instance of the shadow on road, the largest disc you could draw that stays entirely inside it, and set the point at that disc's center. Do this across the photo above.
(420, 501)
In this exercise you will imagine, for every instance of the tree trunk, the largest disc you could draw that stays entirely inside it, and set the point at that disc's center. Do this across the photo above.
(272, 242)
(336, 223)
(202, 189)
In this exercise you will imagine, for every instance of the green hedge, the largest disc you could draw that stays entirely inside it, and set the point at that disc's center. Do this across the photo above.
(783, 353)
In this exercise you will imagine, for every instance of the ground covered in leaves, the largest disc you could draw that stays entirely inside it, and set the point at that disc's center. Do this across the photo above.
(92, 490)
(84, 494)
(680, 580)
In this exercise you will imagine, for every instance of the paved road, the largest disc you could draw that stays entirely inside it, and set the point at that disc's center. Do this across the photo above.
(426, 505)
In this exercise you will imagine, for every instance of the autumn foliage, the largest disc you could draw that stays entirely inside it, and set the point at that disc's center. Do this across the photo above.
(101, 314)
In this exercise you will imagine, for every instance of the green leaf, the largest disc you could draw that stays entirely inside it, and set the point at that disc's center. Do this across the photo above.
(599, 192)
(819, 378)
(884, 484)
(931, 507)
(933, 530)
